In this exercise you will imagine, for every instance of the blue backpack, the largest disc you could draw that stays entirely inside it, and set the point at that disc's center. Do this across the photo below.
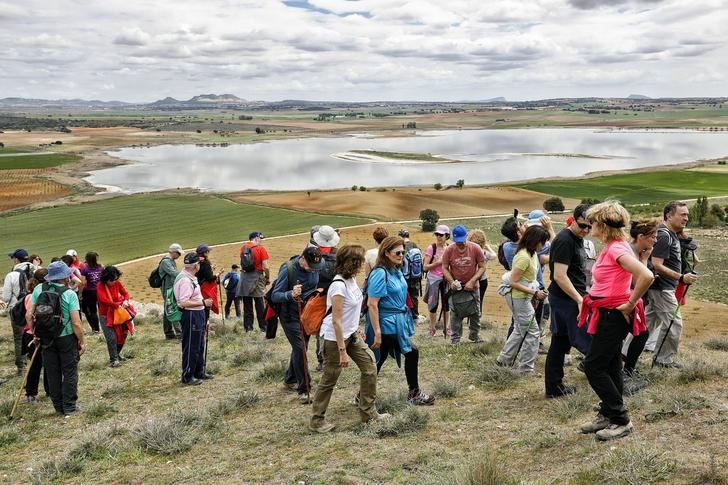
(412, 265)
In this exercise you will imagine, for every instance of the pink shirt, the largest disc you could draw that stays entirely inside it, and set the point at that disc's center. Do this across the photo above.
(186, 288)
(435, 270)
(463, 266)
(610, 279)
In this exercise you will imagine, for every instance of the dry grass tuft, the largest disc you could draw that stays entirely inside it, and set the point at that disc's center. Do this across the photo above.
(162, 367)
(630, 466)
(272, 371)
(168, 435)
(569, 407)
(446, 388)
(698, 370)
(484, 470)
(412, 420)
(717, 343)
(499, 378)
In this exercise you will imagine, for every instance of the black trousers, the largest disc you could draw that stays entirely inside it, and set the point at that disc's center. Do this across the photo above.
(60, 359)
(90, 308)
(31, 387)
(248, 302)
(603, 365)
(483, 287)
(635, 350)
(411, 359)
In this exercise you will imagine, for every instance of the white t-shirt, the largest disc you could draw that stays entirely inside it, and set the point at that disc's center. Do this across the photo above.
(353, 297)
(371, 256)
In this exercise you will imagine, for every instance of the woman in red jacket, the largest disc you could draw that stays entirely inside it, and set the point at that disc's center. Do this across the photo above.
(112, 295)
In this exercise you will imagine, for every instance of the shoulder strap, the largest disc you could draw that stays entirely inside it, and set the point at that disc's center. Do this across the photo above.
(289, 271)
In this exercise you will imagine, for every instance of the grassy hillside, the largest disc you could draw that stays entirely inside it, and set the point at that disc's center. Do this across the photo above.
(35, 161)
(636, 188)
(124, 228)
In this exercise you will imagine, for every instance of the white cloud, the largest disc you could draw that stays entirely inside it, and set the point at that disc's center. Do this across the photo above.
(133, 36)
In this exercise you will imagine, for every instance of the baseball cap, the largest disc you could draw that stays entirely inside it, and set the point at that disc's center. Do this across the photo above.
(19, 254)
(459, 233)
(72, 252)
(534, 217)
(255, 234)
(442, 229)
(203, 248)
(191, 258)
(175, 248)
(235, 266)
(312, 255)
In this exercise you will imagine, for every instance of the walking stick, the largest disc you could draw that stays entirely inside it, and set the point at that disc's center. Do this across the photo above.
(303, 349)
(672, 320)
(25, 381)
(222, 307)
(525, 334)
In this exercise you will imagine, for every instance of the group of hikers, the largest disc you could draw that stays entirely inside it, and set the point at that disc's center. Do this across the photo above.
(610, 307)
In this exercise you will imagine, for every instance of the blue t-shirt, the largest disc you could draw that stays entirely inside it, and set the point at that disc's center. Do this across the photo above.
(509, 250)
(394, 316)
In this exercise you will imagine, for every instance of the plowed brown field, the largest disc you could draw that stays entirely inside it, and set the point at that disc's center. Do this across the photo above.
(19, 188)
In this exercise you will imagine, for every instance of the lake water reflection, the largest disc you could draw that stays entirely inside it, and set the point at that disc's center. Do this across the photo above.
(493, 156)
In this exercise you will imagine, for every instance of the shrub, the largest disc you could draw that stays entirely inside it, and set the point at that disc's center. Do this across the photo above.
(8, 437)
(168, 435)
(718, 212)
(590, 201)
(631, 466)
(446, 388)
(484, 470)
(393, 403)
(553, 204)
(99, 410)
(248, 355)
(460, 183)
(698, 370)
(482, 349)
(272, 371)
(498, 378)
(438, 186)
(717, 343)
(55, 470)
(570, 407)
(362, 188)
(412, 420)
(381, 189)
(162, 366)
(429, 219)
(354, 188)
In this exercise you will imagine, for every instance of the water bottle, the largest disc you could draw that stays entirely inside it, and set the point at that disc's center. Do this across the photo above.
(458, 285)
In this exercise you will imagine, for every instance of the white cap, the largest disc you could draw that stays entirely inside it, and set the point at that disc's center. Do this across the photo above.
(175, 248)
(72, 252)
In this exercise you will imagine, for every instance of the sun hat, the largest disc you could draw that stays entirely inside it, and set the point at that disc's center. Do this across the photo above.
(326, 237)
(203, 248)
(58, 270)
(72, 252)
(442, 229)
(255, 234)
(191, 258)
(459, 234)
(312, 255)
(19, 254)
(534, 217)
(175, 248)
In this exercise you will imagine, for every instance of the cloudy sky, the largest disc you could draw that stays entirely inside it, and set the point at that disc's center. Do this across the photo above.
(363, 50)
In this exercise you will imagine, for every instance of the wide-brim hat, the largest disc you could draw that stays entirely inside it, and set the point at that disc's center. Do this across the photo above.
(326, 237)
(58, 270)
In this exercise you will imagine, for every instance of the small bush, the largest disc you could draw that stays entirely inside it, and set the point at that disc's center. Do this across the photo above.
(499, 378)
(98, 411)
(354, 188)
(429, 218)
(553, 204)
(8, 437)
(362, 189)
(570, 407)
(115, 389)
(272, 371)
(438, 186)
(162, 366)
(240, 400)
(630, 466)
(446, 388)
(381, 189)
(55, 470)
(482, 349)
(168, 435)
(412, 420)
(717, 343)
(698, 370)
(484, 470)
(392, 403)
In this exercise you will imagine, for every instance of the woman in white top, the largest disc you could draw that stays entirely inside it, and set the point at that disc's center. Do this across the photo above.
(340, 331)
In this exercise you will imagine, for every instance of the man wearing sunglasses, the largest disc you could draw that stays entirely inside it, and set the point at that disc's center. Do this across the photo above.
(567, 259)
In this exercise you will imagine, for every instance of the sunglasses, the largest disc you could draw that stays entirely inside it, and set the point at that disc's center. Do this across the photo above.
(398, 253)
(583, 225)
(439, 235)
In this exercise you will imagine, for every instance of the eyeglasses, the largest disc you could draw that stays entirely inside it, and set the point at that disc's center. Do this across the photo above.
(583, 225)
(398, 253)
(437, 234)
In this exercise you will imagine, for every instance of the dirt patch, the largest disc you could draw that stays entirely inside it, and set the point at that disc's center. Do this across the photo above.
(20, 188)
(406, 203)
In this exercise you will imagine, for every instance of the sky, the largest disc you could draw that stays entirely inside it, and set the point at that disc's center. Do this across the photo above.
(363, 50)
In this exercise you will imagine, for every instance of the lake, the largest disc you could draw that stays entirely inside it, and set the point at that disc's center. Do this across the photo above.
(488, 157)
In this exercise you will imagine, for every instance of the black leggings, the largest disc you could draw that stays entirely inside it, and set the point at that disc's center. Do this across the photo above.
(411, 359)
(89, 306)
(483, 287)
(635, 350)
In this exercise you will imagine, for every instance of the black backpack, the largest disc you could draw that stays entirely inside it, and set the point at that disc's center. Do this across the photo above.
(48, 317)
(247, 259)
(17, 313)
(155, 279)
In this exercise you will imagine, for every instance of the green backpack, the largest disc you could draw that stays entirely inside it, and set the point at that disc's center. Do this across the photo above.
(171, 310)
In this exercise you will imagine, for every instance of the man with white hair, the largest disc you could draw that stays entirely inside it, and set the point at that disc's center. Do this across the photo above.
(168, 272)
(14, 287)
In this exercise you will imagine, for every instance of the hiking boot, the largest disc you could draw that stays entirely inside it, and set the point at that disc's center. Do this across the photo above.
(669, 365)
(292, 387)
(355, 401)
(205, 377)
(378, 417)
(324, 427)
(633, 385)
(614, 431)
(561, 391)
(418, 398)
(542, 349)
(192, 382)
(115, 363)
(304, 398)
(31, 399)
(599, 423)
(476, 340)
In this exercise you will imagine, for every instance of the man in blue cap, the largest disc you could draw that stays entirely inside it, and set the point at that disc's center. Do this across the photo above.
(14, 288)
(463, 263)
(63, 346)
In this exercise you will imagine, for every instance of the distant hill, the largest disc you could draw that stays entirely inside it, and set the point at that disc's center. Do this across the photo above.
(638, 96)
(216, 98)
(59, 103)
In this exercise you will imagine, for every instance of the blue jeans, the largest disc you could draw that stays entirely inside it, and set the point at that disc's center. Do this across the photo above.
(297, 373)
(193, 344)
(231, 298)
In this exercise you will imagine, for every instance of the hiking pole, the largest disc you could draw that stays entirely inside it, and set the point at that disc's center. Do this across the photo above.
(525, 334)
(25, 381)
(303, 349)
(222, 307)
(669, 327)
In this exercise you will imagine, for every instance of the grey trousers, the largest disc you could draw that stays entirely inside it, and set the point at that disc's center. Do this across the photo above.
(110, 337)
(521, 348)
(18, 341)
(456, 322)
(660, 309)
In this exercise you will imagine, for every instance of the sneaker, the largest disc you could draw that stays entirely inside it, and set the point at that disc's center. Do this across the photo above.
(669, 365)
(115, 363)
(419, 398)
(355, 401)
(379, 417)
(75, 409)
(192, 382)
(322, 428)
(421, 319)
(614, 431)
(476, 340)
(205, 377)
(292, 387)
(567, 360)
(561, 391)
(122, 358)
(432, 332)
(542, 349)
(31, 399)
(599, 423)
(304, 398)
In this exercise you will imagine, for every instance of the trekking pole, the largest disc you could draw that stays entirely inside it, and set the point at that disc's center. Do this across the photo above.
(669, 327)
(525, 334)
(303, 349)
(25, 381)
(222, 307)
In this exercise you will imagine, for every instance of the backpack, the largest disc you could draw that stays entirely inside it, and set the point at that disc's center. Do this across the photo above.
(17, 313)
(412, 265)
(226, 281)
(315, 312)
(247, 259)
(687, 254)
(272, 309)
(172, 311)
(328, 272)
(48, 314)
(502, 256)
(155, 279)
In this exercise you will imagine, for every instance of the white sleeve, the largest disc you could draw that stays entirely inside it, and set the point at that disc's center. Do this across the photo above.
(337, 287)
(11, 281)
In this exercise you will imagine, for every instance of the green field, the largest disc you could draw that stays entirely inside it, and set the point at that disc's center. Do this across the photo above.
(36, 161)
(637, 188)
(125, 228)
